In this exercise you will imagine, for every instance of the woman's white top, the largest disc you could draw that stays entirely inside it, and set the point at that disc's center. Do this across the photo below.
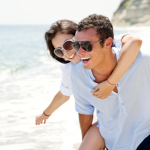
(65, 86)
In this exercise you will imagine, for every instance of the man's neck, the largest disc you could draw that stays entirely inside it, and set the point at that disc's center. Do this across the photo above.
(104, 70)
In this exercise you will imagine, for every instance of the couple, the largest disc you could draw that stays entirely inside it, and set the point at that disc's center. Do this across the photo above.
(123, 116)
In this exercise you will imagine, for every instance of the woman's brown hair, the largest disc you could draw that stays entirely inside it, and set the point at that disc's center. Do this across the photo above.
(63, 26)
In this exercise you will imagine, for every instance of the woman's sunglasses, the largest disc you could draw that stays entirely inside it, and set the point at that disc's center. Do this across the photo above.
(87, 46)
(67, 45)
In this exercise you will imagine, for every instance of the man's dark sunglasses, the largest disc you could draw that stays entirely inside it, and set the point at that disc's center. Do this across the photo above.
(87, 46)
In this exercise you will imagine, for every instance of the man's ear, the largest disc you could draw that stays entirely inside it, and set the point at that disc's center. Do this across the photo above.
(108, 42)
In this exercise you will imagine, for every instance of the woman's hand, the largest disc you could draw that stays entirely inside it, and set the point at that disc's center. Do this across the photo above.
(103, 90)
(41, 119)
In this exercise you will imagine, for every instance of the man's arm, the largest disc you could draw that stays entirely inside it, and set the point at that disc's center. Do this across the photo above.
(85, 123)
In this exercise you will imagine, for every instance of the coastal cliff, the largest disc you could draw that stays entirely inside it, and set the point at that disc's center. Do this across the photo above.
(132, 13)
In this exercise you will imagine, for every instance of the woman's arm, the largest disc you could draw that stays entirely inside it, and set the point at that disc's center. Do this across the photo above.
(57, 101)
(131, 47)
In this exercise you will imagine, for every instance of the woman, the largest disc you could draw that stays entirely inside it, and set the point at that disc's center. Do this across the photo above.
(58, 40)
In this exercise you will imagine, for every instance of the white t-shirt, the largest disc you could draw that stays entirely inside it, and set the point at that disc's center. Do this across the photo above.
(65, 86)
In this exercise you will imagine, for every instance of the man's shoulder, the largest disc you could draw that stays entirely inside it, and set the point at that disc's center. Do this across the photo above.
(145, 52)
(76, 69)
(117, 51)
(144, 55)
(142, 61)
(66, 68)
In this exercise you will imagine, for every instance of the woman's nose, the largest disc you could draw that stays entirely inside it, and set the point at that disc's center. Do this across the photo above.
(65, 52)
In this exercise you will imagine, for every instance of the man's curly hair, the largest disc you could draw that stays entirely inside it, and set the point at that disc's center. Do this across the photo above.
(101, 23)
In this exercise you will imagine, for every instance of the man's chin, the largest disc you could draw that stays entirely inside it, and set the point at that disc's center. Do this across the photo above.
(86, 67)
(86, 64)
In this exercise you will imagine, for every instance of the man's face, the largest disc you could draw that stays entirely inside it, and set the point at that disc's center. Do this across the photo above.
(93, 59)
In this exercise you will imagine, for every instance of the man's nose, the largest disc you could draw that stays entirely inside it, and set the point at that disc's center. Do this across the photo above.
(81, 51)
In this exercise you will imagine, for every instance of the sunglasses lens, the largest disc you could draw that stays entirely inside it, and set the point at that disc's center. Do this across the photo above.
(76, 46)
(59, 53)
(86, 46)
(67, 45)
(89, 48)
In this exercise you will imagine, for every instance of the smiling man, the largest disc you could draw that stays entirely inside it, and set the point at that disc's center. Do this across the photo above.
(124, 116)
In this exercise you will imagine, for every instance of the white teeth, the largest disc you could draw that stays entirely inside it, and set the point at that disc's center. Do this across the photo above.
(72, 55)
(85, 58)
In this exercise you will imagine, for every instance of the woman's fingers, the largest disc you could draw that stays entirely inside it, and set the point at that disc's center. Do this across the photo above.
(39, 121)
(96, 89)
(101, 97)
(96, 93)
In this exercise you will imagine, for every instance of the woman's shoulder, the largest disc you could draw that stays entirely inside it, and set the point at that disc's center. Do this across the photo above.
(66, 67)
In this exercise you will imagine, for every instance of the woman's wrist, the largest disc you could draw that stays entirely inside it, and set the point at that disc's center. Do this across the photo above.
(110, 82)
(46, 114)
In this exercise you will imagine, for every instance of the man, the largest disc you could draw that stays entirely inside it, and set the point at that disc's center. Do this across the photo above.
(124, 116)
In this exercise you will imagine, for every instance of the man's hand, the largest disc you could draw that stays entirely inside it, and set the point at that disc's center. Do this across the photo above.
(85, 123)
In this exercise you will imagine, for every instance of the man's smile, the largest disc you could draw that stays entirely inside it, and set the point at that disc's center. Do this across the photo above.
(85, 60)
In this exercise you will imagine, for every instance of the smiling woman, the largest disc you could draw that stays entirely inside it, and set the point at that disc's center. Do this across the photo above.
(66, 29)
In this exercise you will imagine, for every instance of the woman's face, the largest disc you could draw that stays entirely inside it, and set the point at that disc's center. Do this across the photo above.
(58, 41)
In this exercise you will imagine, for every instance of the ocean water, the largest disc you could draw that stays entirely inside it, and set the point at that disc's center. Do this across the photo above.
(29, 78)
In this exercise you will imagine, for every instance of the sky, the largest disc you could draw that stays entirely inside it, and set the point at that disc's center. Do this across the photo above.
(48, 11)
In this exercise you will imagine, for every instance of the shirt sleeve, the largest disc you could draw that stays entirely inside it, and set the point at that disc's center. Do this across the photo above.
(65, 86)
(82, 105)
(87, 110)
